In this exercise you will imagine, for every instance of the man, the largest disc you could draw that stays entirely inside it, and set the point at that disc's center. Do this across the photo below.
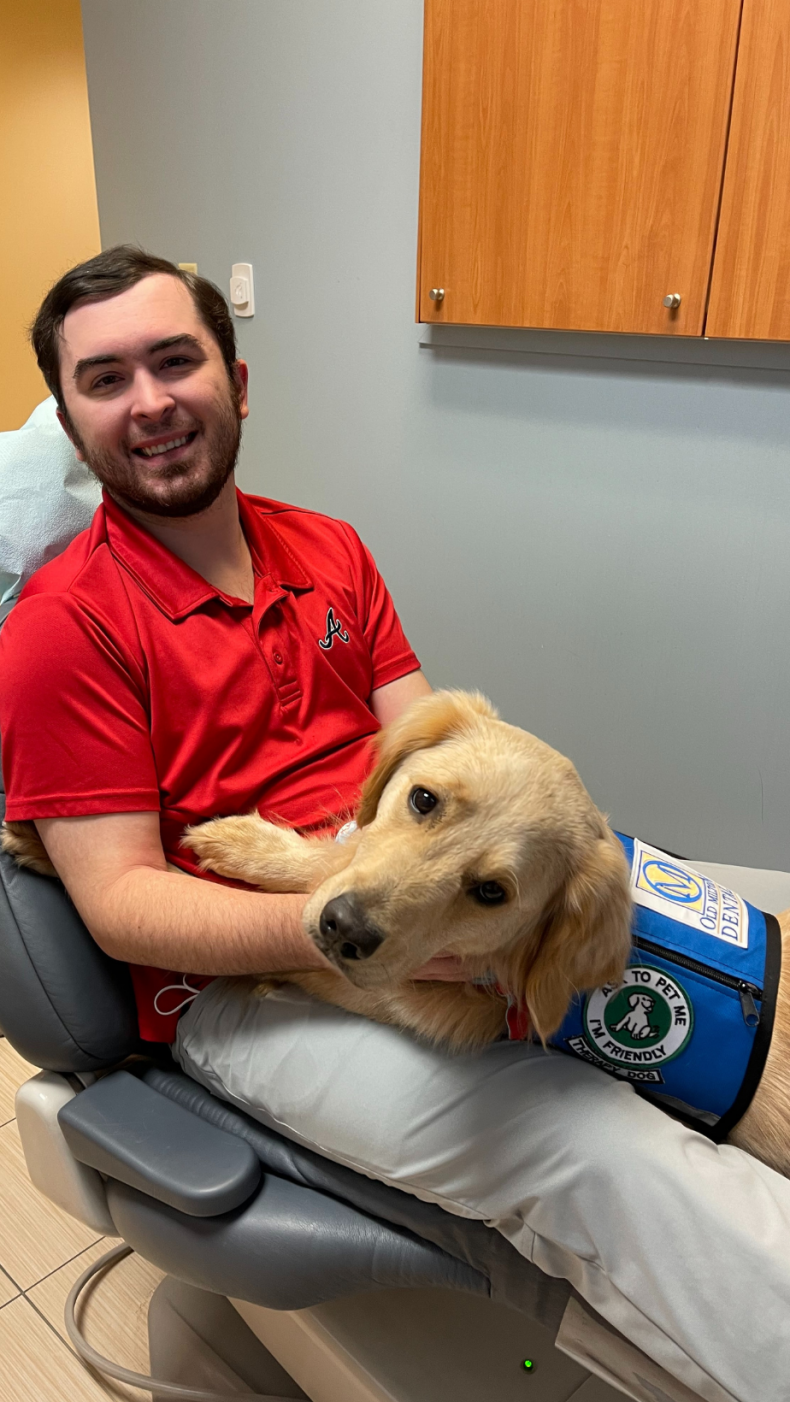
(200, 652)
(183, 646)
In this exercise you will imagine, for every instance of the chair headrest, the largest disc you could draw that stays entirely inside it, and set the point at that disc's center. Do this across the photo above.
(47, 496)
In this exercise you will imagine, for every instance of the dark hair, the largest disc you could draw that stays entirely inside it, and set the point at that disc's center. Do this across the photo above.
(111, 272)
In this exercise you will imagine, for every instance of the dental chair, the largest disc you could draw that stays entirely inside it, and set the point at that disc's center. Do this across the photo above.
(286, 1274)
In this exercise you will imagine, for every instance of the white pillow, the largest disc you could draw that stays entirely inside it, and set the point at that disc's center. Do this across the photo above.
(46, 497)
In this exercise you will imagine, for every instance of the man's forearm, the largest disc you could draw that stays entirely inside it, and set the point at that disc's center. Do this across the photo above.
(192, 926)
(115, 871)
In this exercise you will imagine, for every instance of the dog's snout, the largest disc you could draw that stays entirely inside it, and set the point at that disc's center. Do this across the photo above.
(346, 931)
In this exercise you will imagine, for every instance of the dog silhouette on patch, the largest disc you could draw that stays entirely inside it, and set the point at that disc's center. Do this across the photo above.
(637, 1020)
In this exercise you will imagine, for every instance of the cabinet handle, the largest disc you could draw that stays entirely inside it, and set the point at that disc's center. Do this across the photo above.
(436, 294)
(672, 300)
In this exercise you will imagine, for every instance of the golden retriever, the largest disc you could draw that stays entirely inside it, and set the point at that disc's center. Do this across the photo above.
(474, 838)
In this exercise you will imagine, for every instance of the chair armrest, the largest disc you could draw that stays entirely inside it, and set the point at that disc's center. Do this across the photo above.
(126, 1130)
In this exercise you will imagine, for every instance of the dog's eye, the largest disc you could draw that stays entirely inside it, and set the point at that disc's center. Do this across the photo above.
(489, 893)
(422, 800)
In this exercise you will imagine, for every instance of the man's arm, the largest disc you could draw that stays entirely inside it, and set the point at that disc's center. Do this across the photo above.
(114, 869)
(388, 701)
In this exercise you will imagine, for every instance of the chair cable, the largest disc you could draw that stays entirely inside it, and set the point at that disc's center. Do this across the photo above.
(125, 1375)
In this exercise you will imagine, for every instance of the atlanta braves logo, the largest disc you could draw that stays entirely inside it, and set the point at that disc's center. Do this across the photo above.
(334, 629)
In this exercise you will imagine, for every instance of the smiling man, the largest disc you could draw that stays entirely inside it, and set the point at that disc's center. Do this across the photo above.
(197, 652)
(201, 652)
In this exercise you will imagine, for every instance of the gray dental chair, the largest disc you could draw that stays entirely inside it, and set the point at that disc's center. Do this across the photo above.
(343, 1289)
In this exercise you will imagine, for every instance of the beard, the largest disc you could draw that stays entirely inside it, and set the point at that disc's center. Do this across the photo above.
(182, 488)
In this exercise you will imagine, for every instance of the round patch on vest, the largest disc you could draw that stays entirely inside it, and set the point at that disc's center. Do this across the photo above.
(644, 1021)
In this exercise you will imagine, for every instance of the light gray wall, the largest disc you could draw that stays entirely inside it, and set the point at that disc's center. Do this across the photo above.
(600, 546)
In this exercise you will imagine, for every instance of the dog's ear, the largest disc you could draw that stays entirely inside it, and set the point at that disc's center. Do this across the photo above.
(423, 724)
(587, 936)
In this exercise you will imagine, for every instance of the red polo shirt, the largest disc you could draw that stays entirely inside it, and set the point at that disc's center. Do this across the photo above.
(131, 684)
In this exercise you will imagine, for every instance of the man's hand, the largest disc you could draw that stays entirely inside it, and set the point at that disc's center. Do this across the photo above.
(445, 968)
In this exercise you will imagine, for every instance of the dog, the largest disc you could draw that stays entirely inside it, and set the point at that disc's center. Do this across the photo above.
(474, 838)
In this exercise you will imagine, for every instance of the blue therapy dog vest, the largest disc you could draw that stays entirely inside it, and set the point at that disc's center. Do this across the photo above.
(693, 1017)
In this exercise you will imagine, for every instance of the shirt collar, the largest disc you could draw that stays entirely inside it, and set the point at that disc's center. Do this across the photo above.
(174, 586)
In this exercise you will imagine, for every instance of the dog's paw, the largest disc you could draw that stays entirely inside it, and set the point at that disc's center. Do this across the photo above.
(239, 847)
(265, 986)
(260, 853)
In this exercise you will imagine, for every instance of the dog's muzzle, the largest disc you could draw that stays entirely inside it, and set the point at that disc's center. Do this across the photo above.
(346, 933)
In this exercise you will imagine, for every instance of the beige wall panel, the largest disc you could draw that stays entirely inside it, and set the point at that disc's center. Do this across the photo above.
(47, 191)
(572, 156)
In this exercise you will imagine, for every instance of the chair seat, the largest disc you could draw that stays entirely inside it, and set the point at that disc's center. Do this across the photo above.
(510, 1279)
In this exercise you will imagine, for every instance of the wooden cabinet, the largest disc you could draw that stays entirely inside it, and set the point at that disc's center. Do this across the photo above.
(573, 154)
(750, 292)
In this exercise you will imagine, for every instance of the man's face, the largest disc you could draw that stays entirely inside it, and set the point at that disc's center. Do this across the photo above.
(139, 372)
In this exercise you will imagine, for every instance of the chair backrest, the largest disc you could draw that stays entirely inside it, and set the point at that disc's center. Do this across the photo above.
(64, 1004)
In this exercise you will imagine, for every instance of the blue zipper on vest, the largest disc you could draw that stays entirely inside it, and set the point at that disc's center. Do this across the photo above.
(747, 992)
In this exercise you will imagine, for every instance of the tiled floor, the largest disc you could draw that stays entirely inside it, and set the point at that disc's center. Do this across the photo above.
(42, 1251)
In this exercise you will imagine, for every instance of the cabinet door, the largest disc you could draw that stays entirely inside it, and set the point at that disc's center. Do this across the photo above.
(750, 293)
(572, 157)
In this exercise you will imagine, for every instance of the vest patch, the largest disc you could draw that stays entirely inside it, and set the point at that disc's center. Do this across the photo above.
(670, 888)
(642, 1022)
(580, 1047)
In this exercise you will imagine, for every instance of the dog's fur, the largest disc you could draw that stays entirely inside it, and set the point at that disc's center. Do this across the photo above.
(510, 810)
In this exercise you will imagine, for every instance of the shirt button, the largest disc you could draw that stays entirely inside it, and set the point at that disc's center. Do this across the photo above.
(278, 657)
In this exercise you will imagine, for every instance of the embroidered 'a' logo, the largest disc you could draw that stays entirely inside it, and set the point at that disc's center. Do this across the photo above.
(334, 629)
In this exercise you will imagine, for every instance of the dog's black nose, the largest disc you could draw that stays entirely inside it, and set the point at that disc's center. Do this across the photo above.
(346, 930)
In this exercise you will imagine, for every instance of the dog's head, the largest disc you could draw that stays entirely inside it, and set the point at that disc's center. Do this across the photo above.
(478, 839)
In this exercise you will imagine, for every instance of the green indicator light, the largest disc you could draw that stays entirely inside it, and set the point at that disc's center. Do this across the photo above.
(528, 1364)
